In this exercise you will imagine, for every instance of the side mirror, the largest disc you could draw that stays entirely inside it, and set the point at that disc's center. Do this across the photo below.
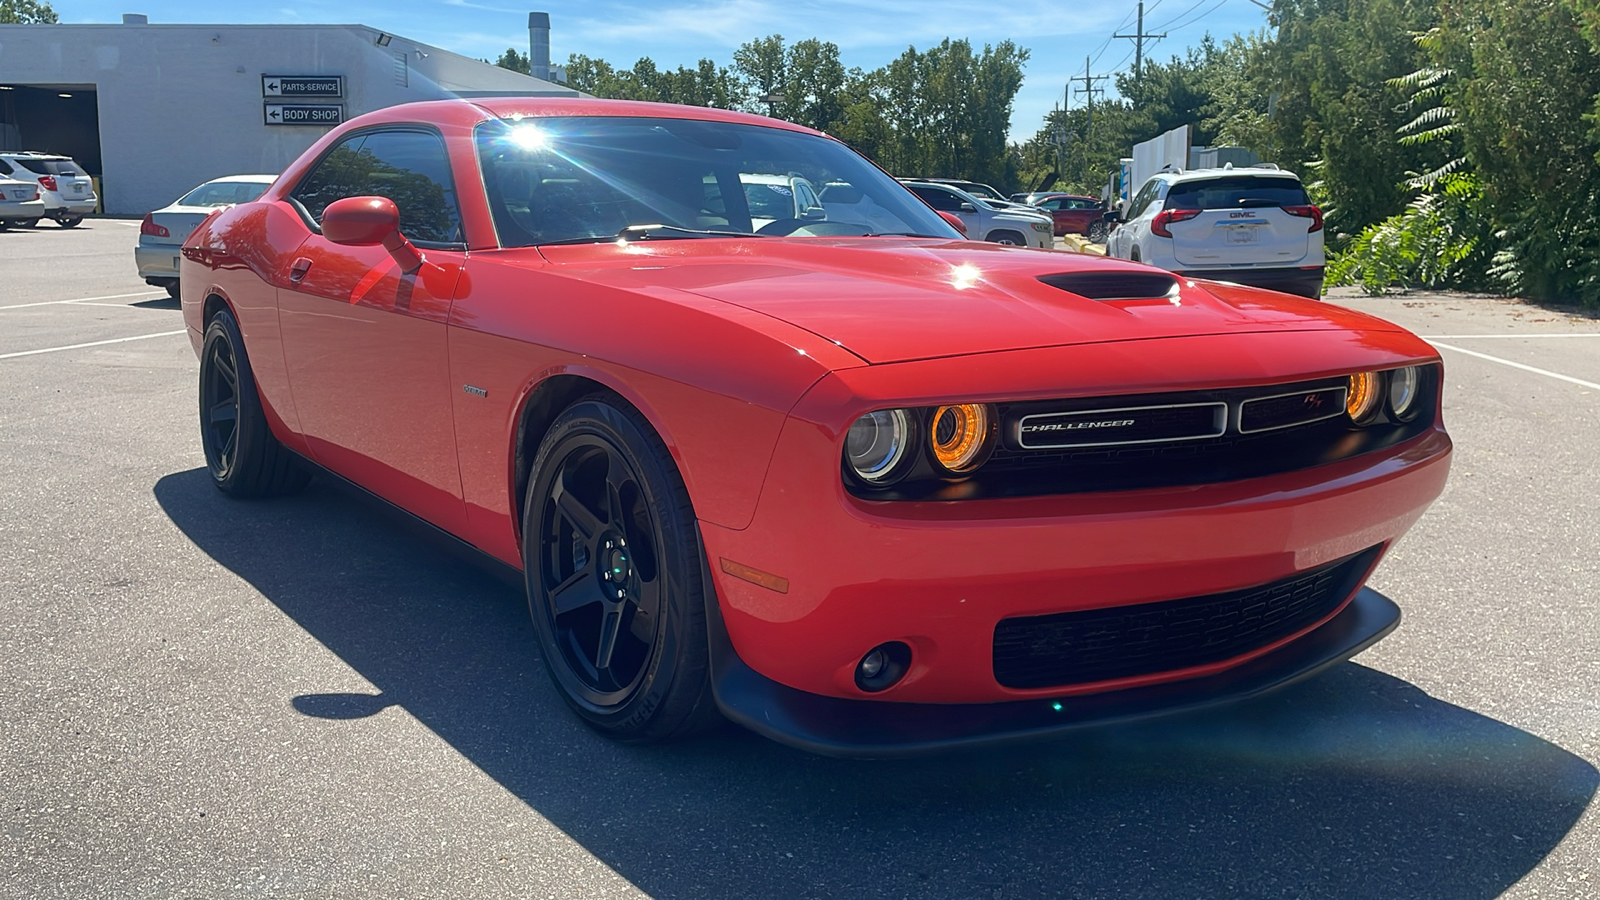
(955, 222)
(365, 221)
(968, 207)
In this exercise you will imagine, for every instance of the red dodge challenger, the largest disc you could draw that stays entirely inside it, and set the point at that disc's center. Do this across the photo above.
(845, 478)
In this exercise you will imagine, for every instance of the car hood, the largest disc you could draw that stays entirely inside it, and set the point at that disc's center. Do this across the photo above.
(891, 300)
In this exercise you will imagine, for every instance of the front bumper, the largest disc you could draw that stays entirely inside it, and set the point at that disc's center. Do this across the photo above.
(850, 574)
(158, 261)
(1305, 282)
(834, 726)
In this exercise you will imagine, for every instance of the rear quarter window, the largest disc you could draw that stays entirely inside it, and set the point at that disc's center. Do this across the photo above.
(1236, 192)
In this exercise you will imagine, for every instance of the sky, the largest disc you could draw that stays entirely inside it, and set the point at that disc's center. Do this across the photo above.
(1059, 34)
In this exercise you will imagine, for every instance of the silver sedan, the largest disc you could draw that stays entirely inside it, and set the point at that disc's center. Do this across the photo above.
(163, 232)
(19, 202)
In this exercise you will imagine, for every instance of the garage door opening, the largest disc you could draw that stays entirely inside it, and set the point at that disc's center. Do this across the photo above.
(53, 118)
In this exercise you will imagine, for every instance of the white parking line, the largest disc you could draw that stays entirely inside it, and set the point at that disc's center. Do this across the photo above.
(1517, 365)
(1457, 337)
(84, 300)
(139, 337)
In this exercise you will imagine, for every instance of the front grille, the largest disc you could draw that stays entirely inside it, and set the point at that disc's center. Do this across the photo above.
(1127, 641)
(1129, 425)
(1288, 410)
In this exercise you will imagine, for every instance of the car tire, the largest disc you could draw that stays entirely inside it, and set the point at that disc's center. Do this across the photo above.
(1097, 232)
(613, 566)
(69, 221)
(242, 455)
(172, 290)
(28, 223)
(1009, 238)
(1133, 254)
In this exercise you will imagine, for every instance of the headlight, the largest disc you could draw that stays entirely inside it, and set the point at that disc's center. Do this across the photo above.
(1043, 226)
(961, 435)
(1403, 393)
(1364, 398)
(877, 443)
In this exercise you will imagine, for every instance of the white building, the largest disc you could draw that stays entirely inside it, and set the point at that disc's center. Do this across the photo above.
(153, 110)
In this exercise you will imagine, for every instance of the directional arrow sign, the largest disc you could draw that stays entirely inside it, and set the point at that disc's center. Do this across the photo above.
(302, 113)
(327, 86)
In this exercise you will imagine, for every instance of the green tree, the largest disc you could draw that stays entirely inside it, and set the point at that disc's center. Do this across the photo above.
(515, 60)
(1524, 79)
(1337, 115)
(26, 12)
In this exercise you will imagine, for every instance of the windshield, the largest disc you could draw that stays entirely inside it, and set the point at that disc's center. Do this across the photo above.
(1236, 192)
(982, 190)
(223, 193)
(52, 166)
(588, 178)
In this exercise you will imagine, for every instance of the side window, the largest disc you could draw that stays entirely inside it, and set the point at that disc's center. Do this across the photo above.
(1053, 203)
(1146, 195)
(939, 200)
(408, 167)
(5, 168)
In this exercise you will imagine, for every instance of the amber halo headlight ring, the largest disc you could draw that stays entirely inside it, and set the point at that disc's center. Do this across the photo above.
(960, 437)
(1364, 397)
(877, 446)
(1394, 394)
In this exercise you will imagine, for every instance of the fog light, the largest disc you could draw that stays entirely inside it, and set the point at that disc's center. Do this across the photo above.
(883, 666)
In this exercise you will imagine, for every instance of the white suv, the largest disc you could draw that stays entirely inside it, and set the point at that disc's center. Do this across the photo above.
(66, 189)
(985, 222)
(1251, 226)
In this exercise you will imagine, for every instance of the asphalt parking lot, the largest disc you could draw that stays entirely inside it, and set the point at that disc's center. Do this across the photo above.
(207, 698)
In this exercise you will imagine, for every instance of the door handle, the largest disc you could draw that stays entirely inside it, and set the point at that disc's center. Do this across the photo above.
(299, 269)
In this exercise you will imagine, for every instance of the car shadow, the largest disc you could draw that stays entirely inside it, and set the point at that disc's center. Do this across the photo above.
(158, 303)
(1353, 784)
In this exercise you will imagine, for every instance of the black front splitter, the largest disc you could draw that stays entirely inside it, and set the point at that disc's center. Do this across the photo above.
(833, 726)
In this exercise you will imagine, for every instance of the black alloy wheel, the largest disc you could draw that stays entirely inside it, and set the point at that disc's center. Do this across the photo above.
(242, 455)
(612, 558)
(219, 408)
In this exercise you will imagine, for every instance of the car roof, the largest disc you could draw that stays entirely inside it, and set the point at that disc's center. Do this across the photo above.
(469, 113)
(1219, 172)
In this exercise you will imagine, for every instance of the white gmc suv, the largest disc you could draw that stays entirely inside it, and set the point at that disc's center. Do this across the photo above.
(1252, 226)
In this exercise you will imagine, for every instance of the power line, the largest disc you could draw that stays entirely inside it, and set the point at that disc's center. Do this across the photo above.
(1197, 5)
(1208, 12)
(1123, 24)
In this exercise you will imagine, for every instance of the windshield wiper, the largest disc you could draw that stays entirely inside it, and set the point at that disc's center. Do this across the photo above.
(644, 232)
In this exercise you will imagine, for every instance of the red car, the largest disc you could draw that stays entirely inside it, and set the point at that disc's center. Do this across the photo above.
(847, 479)
(1075, 215)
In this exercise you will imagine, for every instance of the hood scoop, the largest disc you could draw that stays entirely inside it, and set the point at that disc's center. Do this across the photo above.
(1115, 285)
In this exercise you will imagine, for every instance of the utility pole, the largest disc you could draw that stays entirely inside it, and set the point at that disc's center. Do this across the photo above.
(1089, 88)
(1138, 37)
